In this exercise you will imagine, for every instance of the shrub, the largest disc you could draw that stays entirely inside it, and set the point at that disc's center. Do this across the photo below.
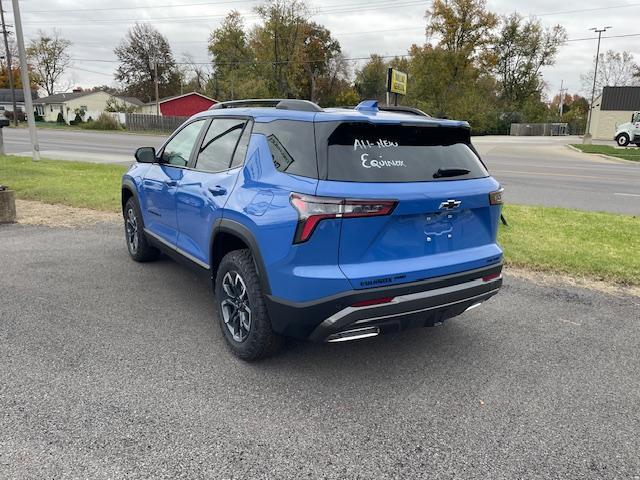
(60, 118)
(19, 114)
(103, 122)
(38, 118)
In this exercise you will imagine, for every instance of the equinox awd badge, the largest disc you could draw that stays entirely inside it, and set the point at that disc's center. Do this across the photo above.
(450, 204)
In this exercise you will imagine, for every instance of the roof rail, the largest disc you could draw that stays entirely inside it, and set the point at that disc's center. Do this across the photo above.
(403, 109)
(279, 103)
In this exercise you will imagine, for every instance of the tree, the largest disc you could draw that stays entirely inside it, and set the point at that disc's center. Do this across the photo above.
(371, 79)
(195, 76)
(142, 47)
(277, 43)
(320, 56)
(521, 49)
(114, 105)
(432, 88)
(49, 57)
(233, 60)
(448, 77)
(615, 69)
(462, 26)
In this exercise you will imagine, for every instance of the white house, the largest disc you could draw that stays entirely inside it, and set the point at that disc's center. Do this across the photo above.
(92, 103)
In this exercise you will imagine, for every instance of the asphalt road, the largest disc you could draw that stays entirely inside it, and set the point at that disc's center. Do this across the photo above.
(533, 170)
(112, 369)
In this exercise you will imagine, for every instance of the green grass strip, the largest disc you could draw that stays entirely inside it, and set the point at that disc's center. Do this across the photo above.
(629, 153)
(602, 246)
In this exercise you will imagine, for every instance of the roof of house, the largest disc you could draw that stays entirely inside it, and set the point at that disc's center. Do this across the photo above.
(5, 95)
(65, 97)
(620, 98)
(174, 97)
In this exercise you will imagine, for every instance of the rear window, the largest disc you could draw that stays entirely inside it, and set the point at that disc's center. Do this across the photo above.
(365, 152)
(292, 146)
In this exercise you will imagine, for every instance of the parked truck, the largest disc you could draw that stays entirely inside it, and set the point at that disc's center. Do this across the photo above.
(629, 132)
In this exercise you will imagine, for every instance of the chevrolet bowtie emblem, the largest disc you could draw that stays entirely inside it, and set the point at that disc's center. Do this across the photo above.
(450, 204)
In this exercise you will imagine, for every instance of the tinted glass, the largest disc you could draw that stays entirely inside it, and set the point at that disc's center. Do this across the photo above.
(363, 152)
(178, 150)
(219, 144)
(243, 145)
(292, 146)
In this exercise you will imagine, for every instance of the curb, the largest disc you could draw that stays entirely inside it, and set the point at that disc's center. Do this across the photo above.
(601, 155)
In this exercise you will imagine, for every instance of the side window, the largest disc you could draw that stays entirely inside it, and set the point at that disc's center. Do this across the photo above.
(292, 144)
(178, 150)
(243, 145)
(219, 144)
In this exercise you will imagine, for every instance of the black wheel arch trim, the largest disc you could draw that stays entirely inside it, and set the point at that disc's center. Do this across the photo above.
(129, 185)
(225, 225)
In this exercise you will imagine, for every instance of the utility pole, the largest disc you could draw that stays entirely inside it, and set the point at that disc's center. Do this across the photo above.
(5, 33)
(562, 92)
(155, 83)
(586, 139)
(26, 87)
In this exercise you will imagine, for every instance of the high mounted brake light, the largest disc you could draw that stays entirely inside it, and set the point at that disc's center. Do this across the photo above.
(312, 210)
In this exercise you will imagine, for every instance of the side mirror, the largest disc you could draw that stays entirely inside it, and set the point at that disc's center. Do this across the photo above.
(146, 155)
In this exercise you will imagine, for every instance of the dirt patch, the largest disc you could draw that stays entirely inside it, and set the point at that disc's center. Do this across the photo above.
(38, 213)
(552, 279)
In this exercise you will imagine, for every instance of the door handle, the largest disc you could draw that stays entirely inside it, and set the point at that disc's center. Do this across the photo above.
(217, 190)
(170, 183)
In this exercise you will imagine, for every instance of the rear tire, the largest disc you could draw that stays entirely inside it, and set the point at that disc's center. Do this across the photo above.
(137, 245)
(242, 312)
(623, 140)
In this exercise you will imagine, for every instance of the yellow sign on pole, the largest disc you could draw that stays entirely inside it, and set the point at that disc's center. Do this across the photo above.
(397, 82)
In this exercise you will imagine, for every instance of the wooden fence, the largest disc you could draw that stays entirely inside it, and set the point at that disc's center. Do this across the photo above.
(139, 122)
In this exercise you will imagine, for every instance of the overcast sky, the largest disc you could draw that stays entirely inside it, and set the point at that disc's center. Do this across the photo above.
(374, 26)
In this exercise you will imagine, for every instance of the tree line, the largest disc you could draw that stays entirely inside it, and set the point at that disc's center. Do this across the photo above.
(475, 64)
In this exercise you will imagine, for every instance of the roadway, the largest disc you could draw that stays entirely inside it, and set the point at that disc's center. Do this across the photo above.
(115, 369)
(533, 170)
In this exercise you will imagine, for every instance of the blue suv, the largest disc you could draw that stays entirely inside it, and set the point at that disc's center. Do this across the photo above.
(326, 224)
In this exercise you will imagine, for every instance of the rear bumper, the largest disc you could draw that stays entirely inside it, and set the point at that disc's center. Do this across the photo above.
(424, 303)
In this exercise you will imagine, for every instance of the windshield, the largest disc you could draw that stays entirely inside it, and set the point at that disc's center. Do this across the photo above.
(365, 152)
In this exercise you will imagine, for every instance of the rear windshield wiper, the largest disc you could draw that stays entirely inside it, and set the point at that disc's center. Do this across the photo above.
(450, 172)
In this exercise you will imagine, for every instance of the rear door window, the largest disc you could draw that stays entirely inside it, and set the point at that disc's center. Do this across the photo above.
(365, 152)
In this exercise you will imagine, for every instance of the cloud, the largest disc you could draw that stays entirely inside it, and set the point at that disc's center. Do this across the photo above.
(96, 27)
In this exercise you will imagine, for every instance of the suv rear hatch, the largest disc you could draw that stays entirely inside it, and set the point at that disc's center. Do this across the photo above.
(447, 207)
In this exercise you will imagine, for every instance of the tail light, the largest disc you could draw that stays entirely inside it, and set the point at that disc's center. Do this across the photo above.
(495, 198)
(312, 210)
(491, 277)
(373, 301)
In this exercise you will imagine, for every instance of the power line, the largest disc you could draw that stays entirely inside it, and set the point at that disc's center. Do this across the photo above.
(345, 8)
(174, 5)
(582, 10)
(401, 55)
(232, 2)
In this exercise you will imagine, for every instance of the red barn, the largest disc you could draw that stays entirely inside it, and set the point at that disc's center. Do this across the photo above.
(181, 105)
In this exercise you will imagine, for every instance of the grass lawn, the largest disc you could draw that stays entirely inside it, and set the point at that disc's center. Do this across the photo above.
(595, 245)
(77, 184)
(629, 153)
